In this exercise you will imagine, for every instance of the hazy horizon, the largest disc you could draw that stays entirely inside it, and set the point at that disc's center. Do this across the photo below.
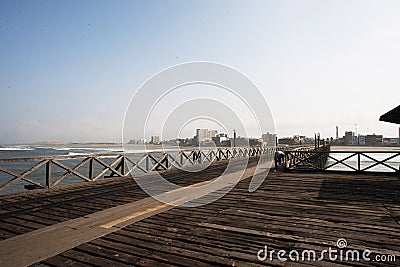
(69, 70)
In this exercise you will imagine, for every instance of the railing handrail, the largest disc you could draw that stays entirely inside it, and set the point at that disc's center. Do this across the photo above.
(119, 153)
(349, 152)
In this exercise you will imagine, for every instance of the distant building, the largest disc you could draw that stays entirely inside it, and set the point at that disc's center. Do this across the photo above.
(155, 140)
(373, 140)
(185, 141)
(245, 142)
(201, 134)
(204, 136)
(308, 141)
(390, 141)
(296, 140)
(211, 133)
(286, 141)
(137, 141)
(337, 132)
(340, 141)
(255, 142)
(349, 138)
(386, 141)
(221, 139)
(355, 140)
(269, 139)
(361, 140)
(394, 141)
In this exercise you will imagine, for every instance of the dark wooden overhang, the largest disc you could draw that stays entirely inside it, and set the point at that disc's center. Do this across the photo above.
(392, 116)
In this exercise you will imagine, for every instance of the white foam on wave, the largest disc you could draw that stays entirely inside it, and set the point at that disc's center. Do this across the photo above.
(79, 154)
(89, 154)
(101, 149)
(16, 149)
(154, 150)
(74, 148)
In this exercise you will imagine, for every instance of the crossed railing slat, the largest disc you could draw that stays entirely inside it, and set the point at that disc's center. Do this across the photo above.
(22, 176)
(298, 158)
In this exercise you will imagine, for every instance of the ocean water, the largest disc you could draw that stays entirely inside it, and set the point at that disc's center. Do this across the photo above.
(378, 153)
(135, 152)
(32, 151)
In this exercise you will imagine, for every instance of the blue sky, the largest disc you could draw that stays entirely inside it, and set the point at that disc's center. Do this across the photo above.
(69, 68)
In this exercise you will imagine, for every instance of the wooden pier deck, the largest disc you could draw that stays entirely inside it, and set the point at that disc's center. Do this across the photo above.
(290, 211)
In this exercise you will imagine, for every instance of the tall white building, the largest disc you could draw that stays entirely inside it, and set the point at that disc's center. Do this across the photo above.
(269, 139)
(204, 135)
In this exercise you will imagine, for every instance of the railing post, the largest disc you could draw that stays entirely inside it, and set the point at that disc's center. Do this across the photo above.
(285, 160)
(398, 171)
(320, 160)
(147, 162)
(91, 168)
(48, 174)
(291, 159)
(358, 162)
(182, 158)
(123, 165)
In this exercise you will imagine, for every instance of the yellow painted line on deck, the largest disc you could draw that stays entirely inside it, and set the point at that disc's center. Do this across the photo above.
(153, 209)
(137, 214)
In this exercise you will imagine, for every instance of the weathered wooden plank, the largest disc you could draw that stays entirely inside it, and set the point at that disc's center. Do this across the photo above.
(206, 249)
(4, 234)
(15, 228)
(25, 223)
(110, 252)
(79, 258)
(40, 265)
(293, 227)
(167, 252)
(287, 211)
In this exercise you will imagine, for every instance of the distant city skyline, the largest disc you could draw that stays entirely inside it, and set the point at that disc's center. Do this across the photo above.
(68, 70)
(204, 133)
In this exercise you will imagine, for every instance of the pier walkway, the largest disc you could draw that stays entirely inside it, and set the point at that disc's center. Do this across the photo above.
(113, 222)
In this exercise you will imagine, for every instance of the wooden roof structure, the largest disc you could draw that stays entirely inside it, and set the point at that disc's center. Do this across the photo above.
(392, 116)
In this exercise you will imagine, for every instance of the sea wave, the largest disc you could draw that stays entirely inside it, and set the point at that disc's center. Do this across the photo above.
(75, 148)
(79, 154)
(89, 154)
(16, 148)
(101, 149)
(154, 150)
